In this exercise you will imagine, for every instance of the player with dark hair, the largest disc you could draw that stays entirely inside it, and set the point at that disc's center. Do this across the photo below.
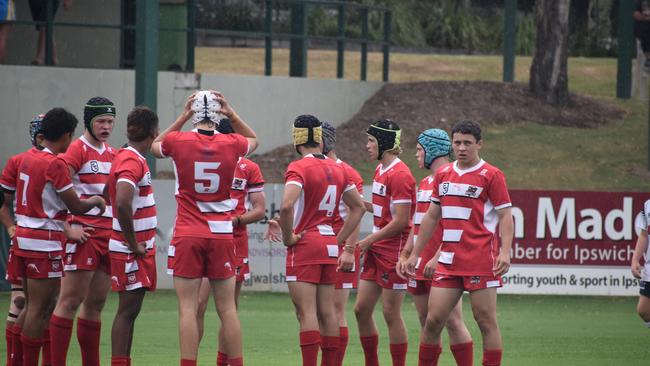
(17, 298)
(393, 205)
(43, 188)
(345, 280)
(87, 263)
(469, 199)
(131, 246)
(432, 152)
(202, 246)
(247, 192)
(314, 187)
(641, 263)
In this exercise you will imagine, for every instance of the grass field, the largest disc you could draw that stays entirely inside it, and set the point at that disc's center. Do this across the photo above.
(609, 158)
(537, 330)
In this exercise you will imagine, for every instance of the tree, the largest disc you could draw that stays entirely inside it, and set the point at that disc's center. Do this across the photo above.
(548, 73)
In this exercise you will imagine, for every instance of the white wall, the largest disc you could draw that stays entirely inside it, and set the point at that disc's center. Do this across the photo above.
(268, 104)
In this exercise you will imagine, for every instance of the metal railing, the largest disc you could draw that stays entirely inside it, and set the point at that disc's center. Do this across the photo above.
(268, 35)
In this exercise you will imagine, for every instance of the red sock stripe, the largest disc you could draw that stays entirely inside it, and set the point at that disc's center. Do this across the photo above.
(429, 354)
(492, 357)
(222, 359)
(463, 353)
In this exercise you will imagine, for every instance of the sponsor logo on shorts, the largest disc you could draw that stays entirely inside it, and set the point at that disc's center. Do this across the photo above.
(56, 266)
(384, 276)
(475, 280)
(227, 265)
(89, 261)
(131, 278)
(68, 259)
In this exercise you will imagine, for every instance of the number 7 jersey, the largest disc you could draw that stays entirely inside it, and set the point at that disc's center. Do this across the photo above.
(204, 164)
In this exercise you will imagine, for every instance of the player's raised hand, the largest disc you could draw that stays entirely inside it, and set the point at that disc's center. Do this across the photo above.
(346, 262)
(78, 234)
(187, 109)
(636, 269)
(226, 109)
(292, 239)
(273, 232)
(502, 264)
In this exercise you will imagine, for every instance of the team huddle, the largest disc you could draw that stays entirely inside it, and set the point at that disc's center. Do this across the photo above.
(85, 224)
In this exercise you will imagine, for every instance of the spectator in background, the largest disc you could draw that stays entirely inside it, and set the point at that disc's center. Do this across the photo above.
(642, 27)
(7, 14)
(38, 8)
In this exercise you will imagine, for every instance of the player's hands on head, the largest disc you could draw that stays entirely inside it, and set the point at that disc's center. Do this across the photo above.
(78, 234)
(273, 232)
(226, 109)
(346, 262)
(636, 269)
(187, 109)
(502, 264)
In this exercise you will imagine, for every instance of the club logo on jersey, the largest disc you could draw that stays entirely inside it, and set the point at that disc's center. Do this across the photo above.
(471, 191)
(94, 166)
(474, 280)
(242, 166)
(445, 188)
(239, 184)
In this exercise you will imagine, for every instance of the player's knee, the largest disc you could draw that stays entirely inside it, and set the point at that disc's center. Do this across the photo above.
(362, 311)
(70, 303)
(644, 313)
(432, 324)
(486, 322)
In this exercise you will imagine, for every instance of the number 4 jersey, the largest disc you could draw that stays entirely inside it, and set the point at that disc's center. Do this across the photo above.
(204, 164)
(323, 182)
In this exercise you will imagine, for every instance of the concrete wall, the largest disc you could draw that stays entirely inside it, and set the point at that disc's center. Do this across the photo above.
(268, 104)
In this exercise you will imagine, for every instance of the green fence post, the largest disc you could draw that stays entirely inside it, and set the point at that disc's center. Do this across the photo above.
(298, 51)
(49, 35)
(625, 48)
(388, 19)
(146, 59)
(268, 40)
(191, 35)
(509, 39)
(340, 44)
(364, 44)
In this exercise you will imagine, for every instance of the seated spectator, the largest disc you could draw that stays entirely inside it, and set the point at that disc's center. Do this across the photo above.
(7, 15)
(642, 27)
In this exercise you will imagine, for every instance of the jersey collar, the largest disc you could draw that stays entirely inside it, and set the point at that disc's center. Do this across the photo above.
(99, 150)
(383, 170)
(460, 171)
(46, 150)
(136, 151)
(312, 156)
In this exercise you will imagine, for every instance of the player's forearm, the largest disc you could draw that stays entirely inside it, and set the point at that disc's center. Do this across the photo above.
(125, 218)
(351, 224)
(177, 125)
(506, 230)
(252, 216)
(408, 247)
(286, 221)
(241, 127)
(392, 229)
(641, 247)
(5, 215)
(427, 227)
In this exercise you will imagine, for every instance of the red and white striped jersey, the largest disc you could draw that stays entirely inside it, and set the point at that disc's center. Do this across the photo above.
(248, 179)
(422, 205)
(357, 181)
(204, 165)
(91, 166)
(37, 177)
(469, 201)
(131, 167)
(322, 182)
(391, 186)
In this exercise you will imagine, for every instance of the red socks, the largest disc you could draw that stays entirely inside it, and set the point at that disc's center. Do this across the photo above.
(222, 359)
(60, 333)
(309, 341)
(330, 346)
(369, 345)
(88, 333)
(31, 350)
(46, 360)
(343, 344)
(8, 338)
(429, 354)
(239, 361)
(492, 357)
(120, 361)
(398, 353)
(185, 362)
(463, 353)
(16, 346)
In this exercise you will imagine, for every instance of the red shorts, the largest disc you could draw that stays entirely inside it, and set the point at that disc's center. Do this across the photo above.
(42, 267)
(320, 274)
(11, 269)
(91, 255)
(203, 257)
(419, 287)
(381, 270)
(129, 272)
(348, 280)
(467, 283)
